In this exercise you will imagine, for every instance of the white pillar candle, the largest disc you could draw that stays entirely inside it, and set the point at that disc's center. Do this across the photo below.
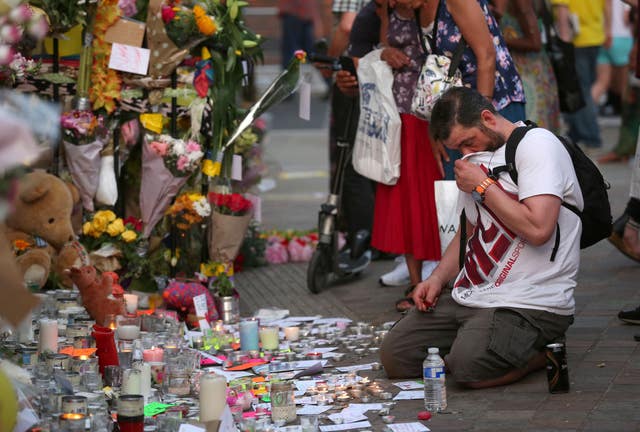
(48, 335)
(292, 334)
(132, 382)
(25, 330)
(128, 332)
(145, 379)
(131, 303)
(213, 396)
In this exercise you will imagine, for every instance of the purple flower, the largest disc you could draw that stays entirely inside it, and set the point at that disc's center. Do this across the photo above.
(128, 7)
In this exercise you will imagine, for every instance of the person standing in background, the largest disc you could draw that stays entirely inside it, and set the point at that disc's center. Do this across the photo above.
(613, 62)
(298, 19)
(520, 27)
(587, 25)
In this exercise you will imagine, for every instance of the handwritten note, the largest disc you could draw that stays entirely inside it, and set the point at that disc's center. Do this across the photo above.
(359, 425)
(408, 427)
(128, 58)
(313, 409)
(409, 395)
(200, 303)
(409, 385)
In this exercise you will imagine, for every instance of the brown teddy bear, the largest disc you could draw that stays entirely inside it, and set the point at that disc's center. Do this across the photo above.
(96, 293)
(39, 229)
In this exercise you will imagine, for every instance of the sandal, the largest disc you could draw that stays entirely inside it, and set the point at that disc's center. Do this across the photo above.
(406, 303)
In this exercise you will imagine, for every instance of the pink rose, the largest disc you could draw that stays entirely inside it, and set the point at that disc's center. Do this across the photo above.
(10, 34)
(192, 146)
(182, 163)
(20, 14)
(160, 147)
(39, 27)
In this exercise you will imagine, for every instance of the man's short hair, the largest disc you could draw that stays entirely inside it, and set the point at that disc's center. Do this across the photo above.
(459, 105)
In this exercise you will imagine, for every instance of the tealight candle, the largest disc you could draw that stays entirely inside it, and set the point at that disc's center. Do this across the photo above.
(128, 332)
(153, 355)
(131, 303)
(292, 334)
(342, 397)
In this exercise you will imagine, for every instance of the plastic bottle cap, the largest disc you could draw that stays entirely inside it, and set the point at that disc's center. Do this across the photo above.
(433, 350)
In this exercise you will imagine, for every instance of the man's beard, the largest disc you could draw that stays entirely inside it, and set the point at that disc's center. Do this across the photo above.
(496, 139)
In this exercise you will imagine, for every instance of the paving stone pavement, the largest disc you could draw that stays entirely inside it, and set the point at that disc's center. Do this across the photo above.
(603, 358)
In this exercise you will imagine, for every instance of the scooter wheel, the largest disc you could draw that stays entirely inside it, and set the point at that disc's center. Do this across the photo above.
(318, 271)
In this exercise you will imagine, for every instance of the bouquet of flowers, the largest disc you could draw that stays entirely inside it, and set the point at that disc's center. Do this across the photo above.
(292, 246)
(189, 209)
(167, 164)
(19, 68)
(107, 236)
(180, 157)
(83, 141)
(230, 217)
(16, 29)
(184, 25)
(220, 277)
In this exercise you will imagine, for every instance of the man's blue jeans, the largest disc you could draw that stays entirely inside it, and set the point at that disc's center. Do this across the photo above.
(297, 34)
(583, 124)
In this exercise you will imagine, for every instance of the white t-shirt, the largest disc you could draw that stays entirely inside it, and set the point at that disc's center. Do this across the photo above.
(502, 269)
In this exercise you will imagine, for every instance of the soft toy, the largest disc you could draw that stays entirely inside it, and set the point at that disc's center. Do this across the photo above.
(39, 228)
(96, 293)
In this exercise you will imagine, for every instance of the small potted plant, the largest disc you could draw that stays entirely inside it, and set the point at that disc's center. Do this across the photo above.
(223, 290)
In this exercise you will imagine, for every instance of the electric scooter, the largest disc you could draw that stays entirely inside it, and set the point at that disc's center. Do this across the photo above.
(328, 261)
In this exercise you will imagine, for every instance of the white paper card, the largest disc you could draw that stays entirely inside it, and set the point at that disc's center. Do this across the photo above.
(128, 58)
(190, 428)
(231, 375)
(256, 203)
(409, 395)
(305, 100)
(303, 385)
(204, 324)
(365, 407)
(354, 368)
(408, 427)
(329, 428)
(226, 422)
(313, 409)
(347, 416)
(200, 303)
(236, 168)
(409, 385)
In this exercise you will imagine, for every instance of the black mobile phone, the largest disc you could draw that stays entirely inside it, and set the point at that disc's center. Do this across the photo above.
(347, 64)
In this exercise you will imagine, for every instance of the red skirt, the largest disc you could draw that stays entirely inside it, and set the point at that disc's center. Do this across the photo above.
(405, 219)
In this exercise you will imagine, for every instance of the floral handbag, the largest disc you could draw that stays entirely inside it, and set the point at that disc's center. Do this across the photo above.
(439, 73)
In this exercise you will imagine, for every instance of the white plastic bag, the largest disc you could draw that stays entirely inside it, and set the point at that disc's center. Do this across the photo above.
(107, 193)
(446, 192)
(376, 151)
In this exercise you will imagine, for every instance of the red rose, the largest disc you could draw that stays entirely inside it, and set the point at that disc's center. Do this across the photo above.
(133, 223)
(167, 14)
(237, 203)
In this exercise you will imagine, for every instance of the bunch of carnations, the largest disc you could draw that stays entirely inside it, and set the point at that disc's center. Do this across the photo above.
(180, 157)
(79, 127)
(189, 209)
(233, 204)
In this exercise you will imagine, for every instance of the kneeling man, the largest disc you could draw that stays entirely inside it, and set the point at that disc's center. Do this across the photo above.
(514, 293)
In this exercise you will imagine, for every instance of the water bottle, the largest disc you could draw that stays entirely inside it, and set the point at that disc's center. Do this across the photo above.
(435, 392)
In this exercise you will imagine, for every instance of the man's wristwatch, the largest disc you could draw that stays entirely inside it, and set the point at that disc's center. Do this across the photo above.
(478, 192)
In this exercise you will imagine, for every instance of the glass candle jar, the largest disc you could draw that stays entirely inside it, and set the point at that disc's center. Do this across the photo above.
(72, 422)
(131, 413)
(283, 404)
(269, 338)
(177, 381)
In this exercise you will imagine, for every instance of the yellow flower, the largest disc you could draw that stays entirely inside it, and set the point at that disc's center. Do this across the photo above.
(230, 270)
(99, 224)
(198, 11)
(128, 236)
(211, 168)
(220, 269)
(193, 197)
(115, 228)
(87, 228)
(108, 214)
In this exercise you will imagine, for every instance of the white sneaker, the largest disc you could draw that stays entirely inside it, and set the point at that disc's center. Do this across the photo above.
(399, 276)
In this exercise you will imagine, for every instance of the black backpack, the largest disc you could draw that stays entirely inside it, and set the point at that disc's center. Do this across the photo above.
(596, 215)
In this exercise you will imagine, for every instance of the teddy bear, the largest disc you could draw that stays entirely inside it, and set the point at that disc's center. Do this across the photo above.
(40, 231)
(96, 292)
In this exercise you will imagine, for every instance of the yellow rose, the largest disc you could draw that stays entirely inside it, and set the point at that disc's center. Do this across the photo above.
(115, 228)
(99, 223)
(129, 236)
(211, 168)
(87, 228)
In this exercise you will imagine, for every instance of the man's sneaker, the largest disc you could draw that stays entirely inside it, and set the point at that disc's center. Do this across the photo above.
(399, 276)
(631, 316)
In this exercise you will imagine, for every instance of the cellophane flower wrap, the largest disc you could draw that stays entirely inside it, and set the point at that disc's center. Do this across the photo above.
(83, 143)
(230, 217)
(167, 164)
